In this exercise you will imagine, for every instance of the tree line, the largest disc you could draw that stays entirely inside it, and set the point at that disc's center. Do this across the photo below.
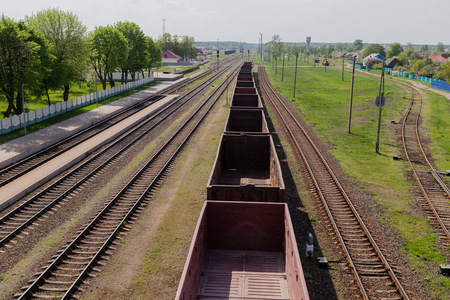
(181, 45)
(52, 49)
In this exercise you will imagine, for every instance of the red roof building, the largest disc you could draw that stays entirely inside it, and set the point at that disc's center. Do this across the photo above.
(438, 58)
(170, 57)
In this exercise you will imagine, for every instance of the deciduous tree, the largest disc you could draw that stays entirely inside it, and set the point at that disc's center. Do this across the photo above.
(394, 50)
(24, 59)
(137, 54)
(446, 70)
(440, 47)
(67, 38)
(108, 50)
(375, 48)
(358, 45)
(154, 54)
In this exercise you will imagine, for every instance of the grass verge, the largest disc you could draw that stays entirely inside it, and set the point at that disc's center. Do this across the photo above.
(324, 100)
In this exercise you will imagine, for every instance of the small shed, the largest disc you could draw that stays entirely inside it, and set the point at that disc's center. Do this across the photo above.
(392, 62)
(170, 57)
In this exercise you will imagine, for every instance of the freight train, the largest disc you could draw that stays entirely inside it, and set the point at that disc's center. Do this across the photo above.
(244, 245)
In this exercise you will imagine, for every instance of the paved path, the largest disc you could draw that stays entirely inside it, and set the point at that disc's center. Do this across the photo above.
(20, 187)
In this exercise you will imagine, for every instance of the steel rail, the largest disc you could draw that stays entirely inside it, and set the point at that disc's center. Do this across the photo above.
(125, 135)
(78, 137)
(367, 232)
(46, 273)
(416, 176)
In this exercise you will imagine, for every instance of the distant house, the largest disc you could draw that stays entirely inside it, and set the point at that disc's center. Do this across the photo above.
(438, 58)
(170, 57)
(200, 54)
(373, 57)
(392, 62)
(446, 55)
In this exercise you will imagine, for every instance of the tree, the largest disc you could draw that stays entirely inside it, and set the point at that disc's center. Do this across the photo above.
(358, 45)
(186, 47)
(374, 48)
(403, 59)
(277, 46)
(137, 54)
(181, 45)
(415, 55)
(446, 70)
(67, 38)
(394, 50)
(440, 47)
(24, 59)
(417, 66)
(424, 48)
(165, 42)
(340, 47)
(154, 54)
(109, 50)
(409, 51)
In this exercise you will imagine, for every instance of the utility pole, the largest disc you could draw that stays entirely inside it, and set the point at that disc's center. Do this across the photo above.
(164, 26)
(282, 70)
(343, 57)
(259, 44)
(380, 100)
(276, 66)
(351, 96)
(295, 78)
(261, 47)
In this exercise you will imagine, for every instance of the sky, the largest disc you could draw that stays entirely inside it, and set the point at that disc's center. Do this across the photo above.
(382, 21)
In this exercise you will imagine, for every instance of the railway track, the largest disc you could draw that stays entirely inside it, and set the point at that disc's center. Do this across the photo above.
(18, 169)
(435, 193)
(373, 274)
(16, 222)
(62, 277)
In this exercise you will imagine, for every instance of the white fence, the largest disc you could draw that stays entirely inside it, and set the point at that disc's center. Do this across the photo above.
(34, 116)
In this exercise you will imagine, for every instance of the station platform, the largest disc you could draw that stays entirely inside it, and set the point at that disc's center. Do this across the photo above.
(20, 148)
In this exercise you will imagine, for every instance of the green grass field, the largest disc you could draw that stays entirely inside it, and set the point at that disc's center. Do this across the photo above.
(324, 100)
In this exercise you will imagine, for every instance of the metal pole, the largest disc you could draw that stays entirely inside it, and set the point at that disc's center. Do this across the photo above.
(343, 56)
(351, 96)
(295, 79)
(261, 47)
(276, 67)
(377, 146)
(282, 71)
(23, 110)
(226, 101)
(381, 94)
